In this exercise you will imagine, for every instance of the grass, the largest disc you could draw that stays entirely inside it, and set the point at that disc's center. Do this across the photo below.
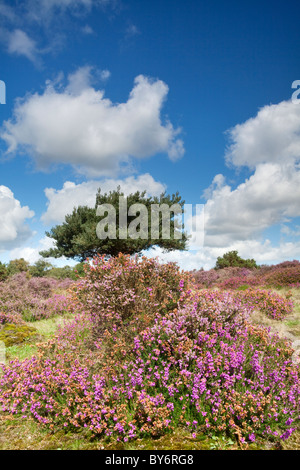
(45, 328)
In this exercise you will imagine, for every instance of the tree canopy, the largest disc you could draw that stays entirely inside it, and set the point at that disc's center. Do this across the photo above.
(17, 266)
(232, 259)
(77, 237)
(3, 271)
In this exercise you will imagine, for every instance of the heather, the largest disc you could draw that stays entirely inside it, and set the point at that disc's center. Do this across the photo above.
(283, 276)
(226, 278)
(148, 354)
(128, 292)
(26, 298)
(272, 304)
(286, 274)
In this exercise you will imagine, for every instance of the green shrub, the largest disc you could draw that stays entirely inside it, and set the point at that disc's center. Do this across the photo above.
(232, 259)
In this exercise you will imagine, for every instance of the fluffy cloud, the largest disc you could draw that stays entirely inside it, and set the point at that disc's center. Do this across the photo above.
(13, 229)
(87, 29)
(82, 79)
(262, 251)
(31, 253)
(272, 136)
(270, 196)
(61, 202)
(269, 144)
(21, 44)
(90, 132)
(236, 218)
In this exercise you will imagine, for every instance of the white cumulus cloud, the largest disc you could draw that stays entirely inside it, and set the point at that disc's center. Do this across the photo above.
(31, 253)
(262, 251)
(270, 196)
(268, 144)
(272, 136)
(13, 228)
(79, 126)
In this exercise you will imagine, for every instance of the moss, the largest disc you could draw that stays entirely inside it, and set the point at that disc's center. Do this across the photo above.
(12, 334)
(177, 440)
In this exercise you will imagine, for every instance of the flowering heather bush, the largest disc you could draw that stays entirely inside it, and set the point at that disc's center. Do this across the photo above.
(24, 299)
(272, 304)
(237, 282)
(205, 279)
(227, 278)
(6, 317)
(235, 271)
(285, 276)
(201, 366)
(45, 286)
(126, 289)
(284, 264)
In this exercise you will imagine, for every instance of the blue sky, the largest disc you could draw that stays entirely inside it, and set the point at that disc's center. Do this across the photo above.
(194, 97)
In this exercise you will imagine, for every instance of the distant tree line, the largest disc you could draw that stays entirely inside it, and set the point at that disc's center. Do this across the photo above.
(40, 268)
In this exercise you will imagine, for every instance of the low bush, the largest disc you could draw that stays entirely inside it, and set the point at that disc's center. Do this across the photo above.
(126, 290)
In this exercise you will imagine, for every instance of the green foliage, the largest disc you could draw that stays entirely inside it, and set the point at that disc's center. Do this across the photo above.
(77, 238)
(232, 259)
(66, 272)
(17, 266)
(79, 269)
(3, 272)
(40, 268)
